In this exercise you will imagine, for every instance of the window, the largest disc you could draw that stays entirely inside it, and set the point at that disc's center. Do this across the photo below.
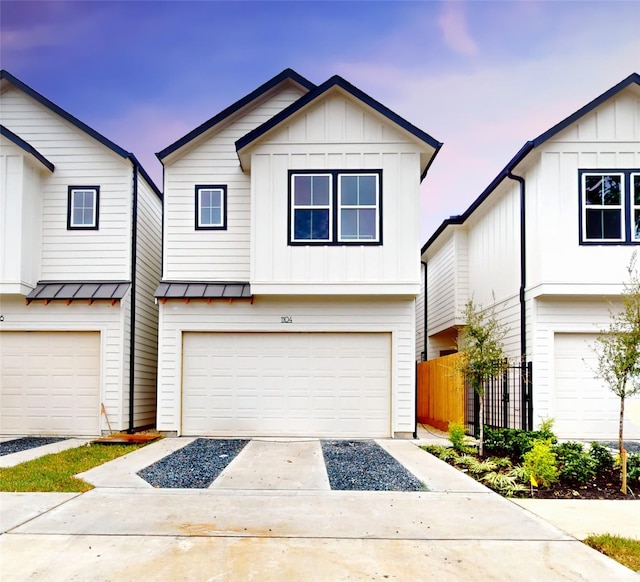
(211, 207)
(335, 207)
(82, 207)
(610, 206)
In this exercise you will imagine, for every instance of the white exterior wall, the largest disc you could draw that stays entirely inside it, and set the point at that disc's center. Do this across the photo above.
(213, 160)
(335, 134)
(79, 161)
(79, 316)
(20, 219)
(148, 265)
(441, 285)
(420, 331)
(357, 314)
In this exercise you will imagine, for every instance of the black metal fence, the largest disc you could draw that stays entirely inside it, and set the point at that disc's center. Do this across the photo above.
(508, 400)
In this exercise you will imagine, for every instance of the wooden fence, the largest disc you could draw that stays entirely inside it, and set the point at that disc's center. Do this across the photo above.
(440, 392)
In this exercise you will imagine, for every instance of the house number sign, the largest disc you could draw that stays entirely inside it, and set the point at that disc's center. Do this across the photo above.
(286, 319)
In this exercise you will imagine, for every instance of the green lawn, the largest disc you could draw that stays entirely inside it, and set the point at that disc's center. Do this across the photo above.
(623, 550)
(55, 472)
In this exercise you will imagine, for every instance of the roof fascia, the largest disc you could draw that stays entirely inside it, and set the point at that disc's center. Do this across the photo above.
(27, 147)
(287, 74)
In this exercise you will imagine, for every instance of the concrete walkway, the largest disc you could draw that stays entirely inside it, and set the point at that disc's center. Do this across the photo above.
(271, 516)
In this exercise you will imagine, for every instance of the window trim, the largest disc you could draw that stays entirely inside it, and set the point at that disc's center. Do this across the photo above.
(626, 207)
(96, 208)
(633, 206)
(335, 207)
(223, 211)
(293, 207)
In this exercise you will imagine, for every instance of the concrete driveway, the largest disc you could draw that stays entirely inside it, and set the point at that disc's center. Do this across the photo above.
(271, 516)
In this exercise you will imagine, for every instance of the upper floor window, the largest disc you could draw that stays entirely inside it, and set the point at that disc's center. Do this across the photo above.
(610, 206)
(211, 207)
(82, 207)
(335, 207)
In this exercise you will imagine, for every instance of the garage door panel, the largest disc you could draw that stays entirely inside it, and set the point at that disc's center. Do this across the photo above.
(290, 384)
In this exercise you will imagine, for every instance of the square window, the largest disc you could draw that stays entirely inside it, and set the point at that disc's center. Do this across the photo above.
(211, 207)
(603, 209)
(635, 205)
(359, 208)
(311, 207)
(82, 207)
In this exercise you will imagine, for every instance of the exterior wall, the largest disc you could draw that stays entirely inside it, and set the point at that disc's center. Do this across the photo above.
(335, 134)
(214, 161)
(313, 314)
(79, 316)
(442, 266)
(420, 320)
(79, 160)
(20, 220)
(148, 273)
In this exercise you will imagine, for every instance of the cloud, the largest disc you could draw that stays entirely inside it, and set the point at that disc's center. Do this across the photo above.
(452, 23)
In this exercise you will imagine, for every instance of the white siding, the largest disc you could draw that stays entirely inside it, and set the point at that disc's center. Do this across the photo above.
(441, 286)
(81, 161)
(309, 315)
(420, 321)
(213, 160)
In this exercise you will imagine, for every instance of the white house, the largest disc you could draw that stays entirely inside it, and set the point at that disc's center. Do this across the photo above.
(547, 245)
(291, 266)
(80, 244)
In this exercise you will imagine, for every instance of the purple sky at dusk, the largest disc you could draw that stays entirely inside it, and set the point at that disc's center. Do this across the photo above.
(481, 76)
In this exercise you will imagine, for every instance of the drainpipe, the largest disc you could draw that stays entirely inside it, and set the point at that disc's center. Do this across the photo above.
(132, 334)
(523, 266)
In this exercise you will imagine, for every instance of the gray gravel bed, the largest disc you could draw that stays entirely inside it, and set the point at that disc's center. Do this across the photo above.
(365, 466)
(194, 466)
(630, 446)
(26, 443)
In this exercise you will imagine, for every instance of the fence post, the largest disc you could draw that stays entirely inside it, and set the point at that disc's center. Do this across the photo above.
(530, 394)
(505, 396)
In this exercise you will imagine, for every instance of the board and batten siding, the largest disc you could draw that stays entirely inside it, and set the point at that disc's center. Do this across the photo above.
(441, 286)
(420, 320)
(213, 161)
(357, 314)
(148, 265)
(79, 161)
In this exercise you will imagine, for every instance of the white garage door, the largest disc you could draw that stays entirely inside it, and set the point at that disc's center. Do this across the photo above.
(287, 384)
(584, 407)
(49, 383)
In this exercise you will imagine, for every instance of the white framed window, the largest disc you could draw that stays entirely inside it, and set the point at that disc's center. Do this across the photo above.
(335, 207)
(609, 206)
(211, 207)
(83, 207)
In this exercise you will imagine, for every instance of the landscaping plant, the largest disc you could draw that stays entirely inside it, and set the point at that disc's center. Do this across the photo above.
(575, 465)
(457, 436)
(540, 464)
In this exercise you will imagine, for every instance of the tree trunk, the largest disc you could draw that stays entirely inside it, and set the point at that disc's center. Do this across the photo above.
(623, 456)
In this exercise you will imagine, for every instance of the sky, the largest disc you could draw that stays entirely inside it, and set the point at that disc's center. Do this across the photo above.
(483, 77)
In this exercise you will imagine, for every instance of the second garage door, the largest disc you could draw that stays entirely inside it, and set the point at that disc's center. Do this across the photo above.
(287, 384)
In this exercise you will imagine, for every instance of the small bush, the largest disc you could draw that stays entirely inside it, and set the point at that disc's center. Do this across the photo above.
(540, 464)
(633, 467)
(575, 464)
(601, 456)
(504, 483)
(514, 442)
(457, 435)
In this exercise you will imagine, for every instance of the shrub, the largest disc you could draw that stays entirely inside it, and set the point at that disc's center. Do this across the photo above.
(601, 456)
(504, 483)
(457, 435)
(540, 464)
(633, 467)
(515, 442)
(576, 465)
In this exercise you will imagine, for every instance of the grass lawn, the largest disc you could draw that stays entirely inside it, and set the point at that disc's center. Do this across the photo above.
(623, 550)
(55, 472)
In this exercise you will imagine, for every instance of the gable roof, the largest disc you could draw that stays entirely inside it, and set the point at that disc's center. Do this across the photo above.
(9, 78)
(286, 75)
(337, 81)
(26, 146)
(633, 79)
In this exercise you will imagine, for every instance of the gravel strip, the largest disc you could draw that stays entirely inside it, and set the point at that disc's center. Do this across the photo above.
(26, 443)
(365, 466)
(194, 466)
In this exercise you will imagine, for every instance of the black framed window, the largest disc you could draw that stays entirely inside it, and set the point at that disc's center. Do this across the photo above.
(335, 207)
(211, 207)
(609, 206)
(83, 203)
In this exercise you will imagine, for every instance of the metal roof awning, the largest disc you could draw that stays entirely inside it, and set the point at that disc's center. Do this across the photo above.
(69, 291)
(188, 290)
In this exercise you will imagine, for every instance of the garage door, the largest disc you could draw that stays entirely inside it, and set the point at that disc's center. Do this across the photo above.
(584, 407)
(287, 384)
(49, 383)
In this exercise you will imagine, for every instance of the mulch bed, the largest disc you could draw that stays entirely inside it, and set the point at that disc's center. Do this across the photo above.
(606, 485)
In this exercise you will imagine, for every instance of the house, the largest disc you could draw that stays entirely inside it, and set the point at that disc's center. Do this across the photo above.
(547, 245)
(291, 266)
(80, 243)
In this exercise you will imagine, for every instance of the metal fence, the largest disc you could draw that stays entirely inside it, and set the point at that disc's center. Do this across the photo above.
(508, 400)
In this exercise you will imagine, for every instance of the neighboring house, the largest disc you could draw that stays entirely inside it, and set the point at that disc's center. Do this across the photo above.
(547, 244)
(80, 244)
(291, 266)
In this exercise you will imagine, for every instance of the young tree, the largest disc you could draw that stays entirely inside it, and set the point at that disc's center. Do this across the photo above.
(480, 343)
(617, 352)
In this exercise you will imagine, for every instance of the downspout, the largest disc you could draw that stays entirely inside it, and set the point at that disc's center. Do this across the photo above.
(132, 323)
(523, 266)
